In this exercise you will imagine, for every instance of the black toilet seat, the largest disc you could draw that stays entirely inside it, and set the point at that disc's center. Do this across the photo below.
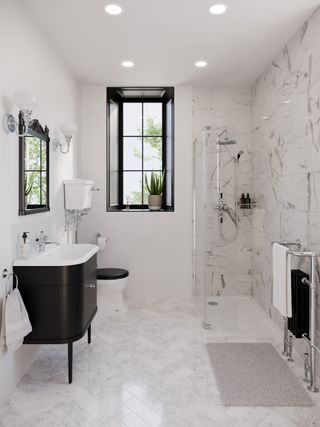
(111, 273)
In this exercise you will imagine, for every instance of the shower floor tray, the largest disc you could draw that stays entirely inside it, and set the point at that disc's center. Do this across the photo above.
(240, 317)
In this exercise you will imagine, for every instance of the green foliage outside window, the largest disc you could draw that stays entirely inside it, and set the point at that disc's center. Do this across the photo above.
(35, 181)
(153, 129)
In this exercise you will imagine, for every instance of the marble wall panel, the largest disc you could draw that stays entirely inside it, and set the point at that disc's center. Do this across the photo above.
(286, 157)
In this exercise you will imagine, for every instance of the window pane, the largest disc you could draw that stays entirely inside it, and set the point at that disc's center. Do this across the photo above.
(132, 188)
(169, 159)
(132, 118)
(32, 188)
(132, 153)
(44, 189)
(152, 118)
(152, 153)
(145, 191)
(32, 153)
(43, 155)
(114, 153)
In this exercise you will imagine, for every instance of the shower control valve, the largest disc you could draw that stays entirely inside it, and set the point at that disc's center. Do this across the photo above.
(221, 206)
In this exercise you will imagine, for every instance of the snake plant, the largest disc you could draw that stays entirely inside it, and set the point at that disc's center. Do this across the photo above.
(156, 184)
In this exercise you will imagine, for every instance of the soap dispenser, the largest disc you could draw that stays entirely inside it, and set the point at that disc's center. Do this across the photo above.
(24, 246)
(242, 201)
(248, 201)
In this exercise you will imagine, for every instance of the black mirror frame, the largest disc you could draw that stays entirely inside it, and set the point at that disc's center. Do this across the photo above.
(34, 129)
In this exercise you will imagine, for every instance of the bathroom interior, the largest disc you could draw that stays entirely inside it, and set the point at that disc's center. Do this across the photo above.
(160, 223)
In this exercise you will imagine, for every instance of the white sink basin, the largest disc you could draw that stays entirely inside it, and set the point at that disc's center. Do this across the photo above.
(59, 256)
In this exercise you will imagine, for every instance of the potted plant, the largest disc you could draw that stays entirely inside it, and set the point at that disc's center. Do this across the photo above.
(155, 190)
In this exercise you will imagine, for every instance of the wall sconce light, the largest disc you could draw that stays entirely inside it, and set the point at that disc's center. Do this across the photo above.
(26, 103)
(68, 130)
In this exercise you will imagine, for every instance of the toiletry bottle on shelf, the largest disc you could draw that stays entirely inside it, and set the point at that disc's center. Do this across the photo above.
(248, 201)
(242, 201)
(24, 246)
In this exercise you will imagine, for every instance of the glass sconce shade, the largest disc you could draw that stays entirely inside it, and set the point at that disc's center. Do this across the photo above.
(25, 100)
(68, 129)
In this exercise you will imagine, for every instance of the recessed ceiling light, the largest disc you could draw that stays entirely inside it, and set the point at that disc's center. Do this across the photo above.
(265, 117)
(127, 64)
(201, 64)
(218, 9)
(113, 9)
(286, 102)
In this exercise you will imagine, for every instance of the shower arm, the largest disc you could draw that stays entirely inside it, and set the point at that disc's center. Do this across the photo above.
(219, 135)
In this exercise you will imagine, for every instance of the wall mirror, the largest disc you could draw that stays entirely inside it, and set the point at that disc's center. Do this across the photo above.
(33, 169)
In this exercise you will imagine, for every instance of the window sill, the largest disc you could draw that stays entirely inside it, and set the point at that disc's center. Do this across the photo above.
(115, 209)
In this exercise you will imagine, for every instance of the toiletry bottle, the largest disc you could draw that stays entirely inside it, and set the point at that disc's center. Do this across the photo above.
(24, 246)
(242, 201)
(248, 201)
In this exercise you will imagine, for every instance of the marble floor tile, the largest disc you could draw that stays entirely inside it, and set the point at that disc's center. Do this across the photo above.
(133, 420)
(149, 369)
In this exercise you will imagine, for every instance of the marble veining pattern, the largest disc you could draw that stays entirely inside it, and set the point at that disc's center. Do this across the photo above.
(150, 369)
(286, 157)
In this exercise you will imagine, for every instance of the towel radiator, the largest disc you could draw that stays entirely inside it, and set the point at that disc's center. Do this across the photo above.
(287, 337)
(310, 364)
(310, 358)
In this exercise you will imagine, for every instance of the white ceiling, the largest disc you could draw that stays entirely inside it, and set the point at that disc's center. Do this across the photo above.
(165, 37)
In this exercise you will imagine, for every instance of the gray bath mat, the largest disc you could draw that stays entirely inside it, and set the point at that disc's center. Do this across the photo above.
(253, 374)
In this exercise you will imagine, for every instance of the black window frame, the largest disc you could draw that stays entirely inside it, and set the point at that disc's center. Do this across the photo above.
(34, 130)
(167, 96)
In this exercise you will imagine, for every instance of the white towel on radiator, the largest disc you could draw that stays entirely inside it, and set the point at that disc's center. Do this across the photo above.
(281, 268)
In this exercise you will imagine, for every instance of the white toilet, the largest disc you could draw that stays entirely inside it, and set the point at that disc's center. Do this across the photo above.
(111, 283)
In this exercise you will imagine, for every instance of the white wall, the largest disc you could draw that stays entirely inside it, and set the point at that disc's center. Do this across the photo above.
(29, 63)
(155, 247)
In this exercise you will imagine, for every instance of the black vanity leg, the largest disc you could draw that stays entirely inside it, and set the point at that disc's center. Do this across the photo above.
(70, 357)
(89, 334)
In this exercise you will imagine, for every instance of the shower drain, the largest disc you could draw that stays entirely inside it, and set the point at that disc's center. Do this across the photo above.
(212, 303)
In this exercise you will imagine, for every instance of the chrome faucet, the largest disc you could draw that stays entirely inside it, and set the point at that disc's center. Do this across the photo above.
(41, 241)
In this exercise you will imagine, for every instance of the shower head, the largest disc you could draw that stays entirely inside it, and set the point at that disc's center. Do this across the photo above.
(226, 141)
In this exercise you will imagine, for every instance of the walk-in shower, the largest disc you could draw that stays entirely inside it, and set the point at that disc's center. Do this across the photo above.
(216, 218)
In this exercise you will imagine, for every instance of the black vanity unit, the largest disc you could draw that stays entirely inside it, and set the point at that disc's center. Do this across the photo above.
(61, 302)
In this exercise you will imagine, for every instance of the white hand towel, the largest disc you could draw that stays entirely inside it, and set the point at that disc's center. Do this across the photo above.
(281, 268)
(17, 321)
(3, 346)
